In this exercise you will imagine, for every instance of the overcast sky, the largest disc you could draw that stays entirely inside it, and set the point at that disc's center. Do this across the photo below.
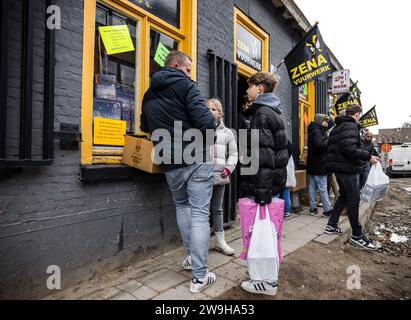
(372, 38)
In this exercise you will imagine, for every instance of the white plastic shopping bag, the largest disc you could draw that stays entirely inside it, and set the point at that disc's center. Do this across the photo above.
(291, 180)
(263, 260)
(376, 187)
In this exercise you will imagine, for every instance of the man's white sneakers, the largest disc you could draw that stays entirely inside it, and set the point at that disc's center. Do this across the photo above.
(198, 285)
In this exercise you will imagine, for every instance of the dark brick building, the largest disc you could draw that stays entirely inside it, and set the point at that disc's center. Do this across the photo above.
(73, 204)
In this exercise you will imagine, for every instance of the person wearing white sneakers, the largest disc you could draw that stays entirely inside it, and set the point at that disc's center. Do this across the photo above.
(225, 156)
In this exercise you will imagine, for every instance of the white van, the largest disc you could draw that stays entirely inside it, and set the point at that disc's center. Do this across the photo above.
(400, 160)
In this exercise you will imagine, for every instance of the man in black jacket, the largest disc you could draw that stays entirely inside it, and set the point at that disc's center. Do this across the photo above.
(367, 145)
(344, 159)
(172, 106)
(316, 164)
(271, 177)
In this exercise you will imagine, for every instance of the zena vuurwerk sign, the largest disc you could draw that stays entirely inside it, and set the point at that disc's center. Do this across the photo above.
(249, 49)
(309, 59)
(352, 97)
(369, 119)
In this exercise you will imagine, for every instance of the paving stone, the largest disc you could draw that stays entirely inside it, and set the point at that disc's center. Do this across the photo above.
(217, 259)
(305, 219)
(222, 285)
(326, 238)
(129, 286)
(296, 224)
(232, 271)
(124, 296)
(163, 279)
(237, 245)
(182, 292)
(103, 294)
(144, 293)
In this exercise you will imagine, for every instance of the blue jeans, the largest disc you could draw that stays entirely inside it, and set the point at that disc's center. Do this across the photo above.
(286, 196)
(191, 188)
(318, 183)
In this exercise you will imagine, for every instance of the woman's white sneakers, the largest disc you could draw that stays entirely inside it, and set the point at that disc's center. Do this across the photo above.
(260, 287)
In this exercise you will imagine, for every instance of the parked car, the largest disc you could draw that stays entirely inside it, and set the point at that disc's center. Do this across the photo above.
(400, 160)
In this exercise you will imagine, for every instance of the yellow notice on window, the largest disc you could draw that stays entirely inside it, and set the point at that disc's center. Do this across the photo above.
(116, 39)
(109, 132)
(161, 54)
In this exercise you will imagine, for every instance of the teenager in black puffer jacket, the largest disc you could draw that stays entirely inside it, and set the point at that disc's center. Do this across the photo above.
(344, 159)
(271, 176)
(265, 115)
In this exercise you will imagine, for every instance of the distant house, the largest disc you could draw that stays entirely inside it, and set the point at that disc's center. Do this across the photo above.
(394, 136)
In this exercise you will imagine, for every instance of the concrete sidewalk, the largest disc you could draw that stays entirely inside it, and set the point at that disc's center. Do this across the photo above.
(163, 278)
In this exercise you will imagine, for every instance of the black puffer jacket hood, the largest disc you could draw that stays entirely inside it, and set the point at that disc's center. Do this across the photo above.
(167, 77)
(268, 100)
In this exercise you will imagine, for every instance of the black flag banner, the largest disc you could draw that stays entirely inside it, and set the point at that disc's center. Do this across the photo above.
(369, 119)
(352, 97)
(309, 59)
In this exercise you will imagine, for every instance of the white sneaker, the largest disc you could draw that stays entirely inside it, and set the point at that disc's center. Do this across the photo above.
(198, 285)
(260, 287)
(187, 263)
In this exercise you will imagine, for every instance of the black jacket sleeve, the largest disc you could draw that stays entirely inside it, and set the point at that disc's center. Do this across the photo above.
(348, 141)
(199, 114)
(320, 141)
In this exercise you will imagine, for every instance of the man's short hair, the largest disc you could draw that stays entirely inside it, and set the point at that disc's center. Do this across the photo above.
(176, 57)
(352, 109)
(267, 80)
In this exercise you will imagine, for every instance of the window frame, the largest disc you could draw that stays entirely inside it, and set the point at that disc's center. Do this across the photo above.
(243, 20)
(186, 35)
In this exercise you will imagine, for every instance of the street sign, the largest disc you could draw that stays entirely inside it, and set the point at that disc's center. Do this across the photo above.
(340, 82)
(386, 147)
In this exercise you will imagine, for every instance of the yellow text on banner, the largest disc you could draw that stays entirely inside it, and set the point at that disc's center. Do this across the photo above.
(109, 132)
(116, 39)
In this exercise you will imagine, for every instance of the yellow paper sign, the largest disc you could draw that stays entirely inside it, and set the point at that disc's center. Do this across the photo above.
(116, 39)
(109, 132)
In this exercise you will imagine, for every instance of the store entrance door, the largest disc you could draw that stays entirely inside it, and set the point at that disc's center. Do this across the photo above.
(224, 85)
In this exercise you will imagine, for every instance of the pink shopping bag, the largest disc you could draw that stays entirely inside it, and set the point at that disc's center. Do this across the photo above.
(248, 209)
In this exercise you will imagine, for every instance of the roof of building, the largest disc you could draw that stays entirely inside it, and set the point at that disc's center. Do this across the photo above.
(395, 135)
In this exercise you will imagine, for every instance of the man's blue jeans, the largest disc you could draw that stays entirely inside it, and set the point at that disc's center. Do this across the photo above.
(286, 196)
(191, 188)
(318, 183)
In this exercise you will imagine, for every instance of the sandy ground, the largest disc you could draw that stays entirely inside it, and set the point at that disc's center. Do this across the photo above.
(319, 271)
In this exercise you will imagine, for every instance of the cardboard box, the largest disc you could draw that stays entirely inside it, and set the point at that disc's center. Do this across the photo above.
(301, 177)
(137, 154)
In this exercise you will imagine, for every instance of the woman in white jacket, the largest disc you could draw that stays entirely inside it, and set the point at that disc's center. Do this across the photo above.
(225, 156)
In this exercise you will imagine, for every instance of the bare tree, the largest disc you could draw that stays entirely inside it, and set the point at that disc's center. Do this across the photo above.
(406, 124)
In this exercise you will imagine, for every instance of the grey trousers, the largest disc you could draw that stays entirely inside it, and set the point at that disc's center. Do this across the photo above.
(216, 207)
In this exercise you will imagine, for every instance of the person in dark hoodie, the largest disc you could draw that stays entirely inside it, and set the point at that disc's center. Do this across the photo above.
(344, 159)
(173, 103)
(316, 164)
(271, 177)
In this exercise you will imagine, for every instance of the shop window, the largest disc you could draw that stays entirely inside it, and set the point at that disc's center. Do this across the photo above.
(114, 82)
(167, 10)
(306, 112)
(159, 42)
(250, 45)
(114, 78)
